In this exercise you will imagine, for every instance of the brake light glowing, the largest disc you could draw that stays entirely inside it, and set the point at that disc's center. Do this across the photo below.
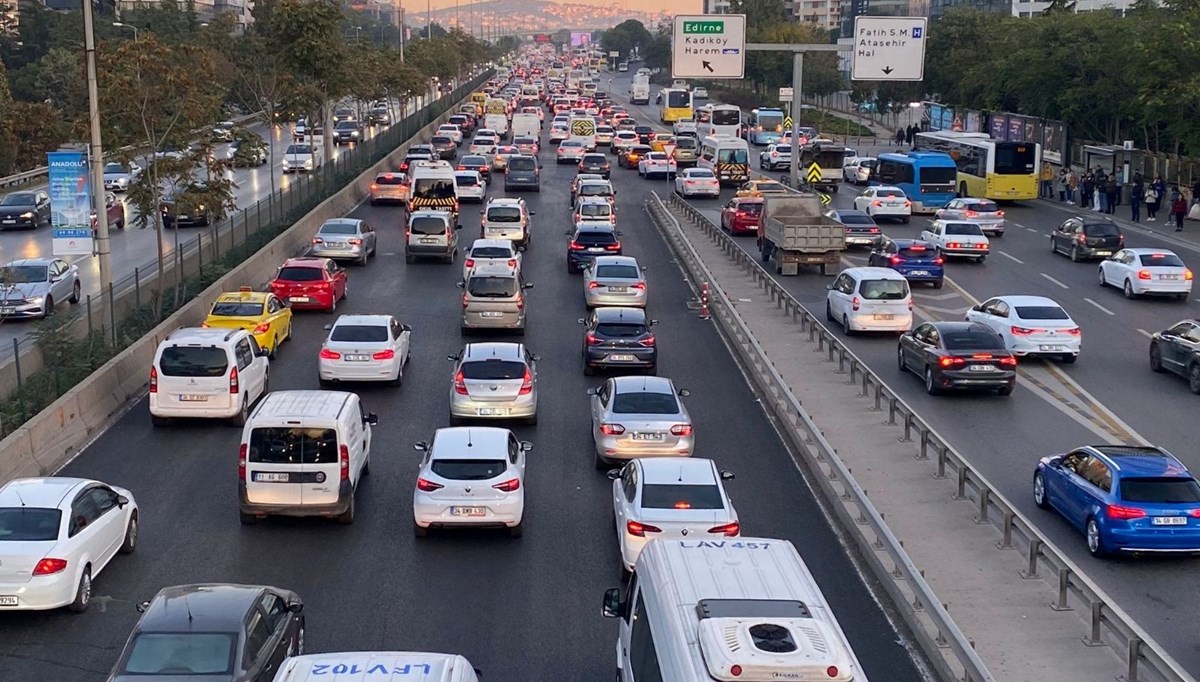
(640, 286)
(1187, 274)
(591, 339)
(470, 262)
(355, 241)
(999, 214)
(639, 530)
(970, 214)
(855, 303)
(1007, 362)
(877, 203)
(460, 383)
(576, 246)
(50, 566)
(233, 380)
(1023, 331)
(384, 355)
(895, 260)
(242, 452)
(520, 301)
(594, 285)
(1074, 331)
(153, 379)
(1082, 239)
(427, 486)
(263, 328)
(952, 362)
(1116, 511)
(613, 247)
(612, 429)
(728, 530)
(683, 505)
(681, 430)
(327, 354)
(527, 383)
(939, 260)
(344, 462)
(318, 240)
(512, 485)
(1143, 274)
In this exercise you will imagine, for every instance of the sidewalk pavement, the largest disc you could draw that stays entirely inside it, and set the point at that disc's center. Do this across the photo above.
(1014, 630)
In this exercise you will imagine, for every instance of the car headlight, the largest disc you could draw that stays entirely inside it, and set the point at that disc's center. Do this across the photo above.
(308, 163)
(27, 214)
(36, 300)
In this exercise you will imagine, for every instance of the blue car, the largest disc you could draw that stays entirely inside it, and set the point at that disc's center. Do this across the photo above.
(916, 260)
(1124, 498)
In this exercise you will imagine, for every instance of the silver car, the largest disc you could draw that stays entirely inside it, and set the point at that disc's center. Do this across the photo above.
(639, 416)
(31, 287)
(119, 176)
(494, 381)
(344, 239)
(494, 298)
(984, 212)
(614, 281)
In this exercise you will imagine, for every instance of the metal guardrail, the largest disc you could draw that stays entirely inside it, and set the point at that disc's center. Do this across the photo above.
(32, 175)
(1107, 623)
(922, 610)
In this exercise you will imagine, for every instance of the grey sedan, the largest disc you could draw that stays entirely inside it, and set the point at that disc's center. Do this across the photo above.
(344, 239)
(985, 212)
(31, 287)
(119, 176)
(639, 416)
(614, 281)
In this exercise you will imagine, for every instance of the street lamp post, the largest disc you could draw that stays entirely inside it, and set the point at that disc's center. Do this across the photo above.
(97, 152)
(131, 28)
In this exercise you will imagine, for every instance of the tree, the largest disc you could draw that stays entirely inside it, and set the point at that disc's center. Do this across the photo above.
(8, 142)
(657, 54)
(56, 77)
(625, 36)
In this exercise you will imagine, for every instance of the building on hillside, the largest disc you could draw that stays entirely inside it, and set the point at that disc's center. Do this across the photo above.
(1026, 8)
(716, 6)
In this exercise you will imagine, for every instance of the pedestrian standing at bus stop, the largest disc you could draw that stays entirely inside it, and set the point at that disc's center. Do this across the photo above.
(1137, 194)
(1071, 183)
(1047, 185)
(1178, 211)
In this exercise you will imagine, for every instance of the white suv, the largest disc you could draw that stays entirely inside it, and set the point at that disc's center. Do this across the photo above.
(506, 218)
(207, 373)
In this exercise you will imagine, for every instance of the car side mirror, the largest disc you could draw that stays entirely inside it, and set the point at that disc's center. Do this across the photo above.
(977, 308)
(526, 446)
(593, 391)
(536, 357)
(481, 213)
(528, 285)
(460, 284)
(1056, 463)
(420, 446)
(614, 606)
(567, 234)
(619, 233)
(683, 393)
(263, 353)
(727, 476)
(328, 327)
(122, 501)
(405, 328)
(829, 287)
(295, 607)
(458, 226)
(614, 474)
(371, 418)
(142, 606)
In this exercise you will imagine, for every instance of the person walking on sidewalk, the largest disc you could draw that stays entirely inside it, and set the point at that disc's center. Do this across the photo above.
(899, 136)
(1070, 183)
(1178, 211)
(1111, 189)
(1046, 188)
(1137, 194)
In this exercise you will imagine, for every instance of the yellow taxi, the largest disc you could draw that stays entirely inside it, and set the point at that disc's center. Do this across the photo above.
(259, 312)
(657, 143)
(757, 188)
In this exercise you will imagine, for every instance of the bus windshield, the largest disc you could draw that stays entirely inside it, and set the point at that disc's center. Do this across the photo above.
(770, 119)
(732, 156)
(726, 117)
(678, 98)
(1014, 158)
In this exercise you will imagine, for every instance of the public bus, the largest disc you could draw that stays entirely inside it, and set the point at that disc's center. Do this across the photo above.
(676, 104)
(727, 157)
(764, 126)
(927, 177)
(988, 168)
(718, 119)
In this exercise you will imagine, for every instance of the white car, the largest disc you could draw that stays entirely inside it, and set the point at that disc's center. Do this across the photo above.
(483, 144)
(623, 140)
(775, 156)
(559, 132)
(591, 211)
(487, 252)
(957, 238)
(670, 498)
(56, 535)
(471, 185)
(870, 299)
(884, 201)
(1031, 325)
(697, 182)
(571, 151)
(983, 211)
(1147, 271)
(699, 92)
(470, 476)
(685, 126)
(858, 169)
(656, 163)
(207, 373)
(451, 131)
(364, 348)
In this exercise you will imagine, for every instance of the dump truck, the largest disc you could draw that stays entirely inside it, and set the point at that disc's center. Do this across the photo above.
(793, 231)
(829, 157)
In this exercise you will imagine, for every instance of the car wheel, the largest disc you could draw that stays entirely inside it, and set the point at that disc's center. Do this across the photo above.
(347, 517)
(1075, 254)
(131, 535)
(1128, 290)
(1193, 376)
(588, 370)
(332, 305)
(363, 261)
(1053, 245)
(239, 419)
(1155, 358)
(49, 309)
(937, 284)
(1069, 358)
(420, 531)
(1007, 389)
(1095, 543)
(274, 348)
(74, 293)
(828, 312)
(900, 363)
(516, 531)
(930, 386)
(531, 421)
(409, 258)
(846, 326)
(247, 519)
(601, 463)
(905, 220)
(83, 593)
(159, 422)
(1103, 280)
(1039, 491)
(456, 420)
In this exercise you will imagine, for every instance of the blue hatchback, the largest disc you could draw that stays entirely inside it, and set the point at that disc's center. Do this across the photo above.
(916, 260)
(1124, 498)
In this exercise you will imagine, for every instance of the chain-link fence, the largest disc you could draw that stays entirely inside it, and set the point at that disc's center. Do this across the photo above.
(73, 342)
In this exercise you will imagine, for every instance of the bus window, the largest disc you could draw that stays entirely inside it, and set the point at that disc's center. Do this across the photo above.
(732, 156)
(678, 98)
(894, 173)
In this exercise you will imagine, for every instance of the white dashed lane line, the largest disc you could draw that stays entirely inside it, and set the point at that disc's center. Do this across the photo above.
(1055, 281)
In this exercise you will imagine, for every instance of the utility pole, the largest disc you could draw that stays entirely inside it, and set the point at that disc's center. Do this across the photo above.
(103, 248)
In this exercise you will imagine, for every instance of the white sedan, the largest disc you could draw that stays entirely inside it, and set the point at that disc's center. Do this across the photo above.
(884, 201)
(452, 131)
(1031, 325)
(1147, 271)
(559, 132)
(958, 238)
(857, 169)
(364, 348)
(57, 535)
(471, 185)
(488, 252)
(670, 498)
(470, 476)
(693, 182)
(571, 151)
(656, 163)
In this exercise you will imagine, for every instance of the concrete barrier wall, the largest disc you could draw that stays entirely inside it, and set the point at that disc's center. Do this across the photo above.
(56, 434)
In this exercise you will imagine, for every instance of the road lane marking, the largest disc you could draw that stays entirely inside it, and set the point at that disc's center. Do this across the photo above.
(1011, 257)
(1054, 280)
(1145, 333)
(957, 312)
(936, 297)
(1102, 308)
(1031, 229)
(1020, 225)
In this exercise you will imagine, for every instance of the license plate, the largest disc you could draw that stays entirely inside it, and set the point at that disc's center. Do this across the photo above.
(335, 245)
(1168, 276)
(428, 241)
(981, 368)
(468, 511)
(357, 358)
(1104, 253)
(263, 477)
(192, 397)
(1169, 520)
(8, 601)
(919, 273)
(493, 411)
(1048, 347)
(647, 436)
(596, 250)
(9, 221)
(298, 299)
(621, 357)
(490, 314)
(7, 311)
(618, 290)
(883, 316)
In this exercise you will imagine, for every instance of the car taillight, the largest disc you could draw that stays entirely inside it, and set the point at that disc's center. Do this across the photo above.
(613, 247)
(1143, 274)
(1022, 331)
(681, 430)
(612, 429)
(327, 354)
(512, 262)
(460, 384)
(512, 485)
(355, 241)
(953, 245)
(640, 286)
(939, 260)
(594, 285)
(384, 355)
(874, 230)
(877, 203)
(1195, 513)
(428, 486)
(1007, 362)
(648, 342)
(1187, 274)
(465, 300)
(462, 168)
(895, 260)
(153, 380)
(1120, 513)
(1082, 239)
(233, 380)
(999, 214)
(242, 453)
(855, 303)
(344, 462)
(1074, 331)
(526, 383)
(263, 328)
(591, 339)
(970, 214)
(729, 529)
(50, 566)
(576, 246)
(640, 529)
(520, 301)
(318, 240)
(952, 362)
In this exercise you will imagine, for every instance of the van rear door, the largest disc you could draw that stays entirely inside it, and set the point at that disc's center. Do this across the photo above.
(327, 464)
(194, 376)
(275, 464)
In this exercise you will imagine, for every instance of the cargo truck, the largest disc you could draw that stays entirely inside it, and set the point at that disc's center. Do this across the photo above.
(829, 157)
(793, 231)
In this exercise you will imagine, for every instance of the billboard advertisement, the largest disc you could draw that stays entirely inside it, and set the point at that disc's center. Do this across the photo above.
(541, 38)
(999, 127)
(581, 38)
(70, 203)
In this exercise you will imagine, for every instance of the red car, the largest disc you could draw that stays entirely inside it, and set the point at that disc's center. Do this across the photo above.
(115, 210)
(740, 215)
(310, 283)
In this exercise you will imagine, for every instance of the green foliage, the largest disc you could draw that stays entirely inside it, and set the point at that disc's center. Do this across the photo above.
(8, 143)
(625, 36)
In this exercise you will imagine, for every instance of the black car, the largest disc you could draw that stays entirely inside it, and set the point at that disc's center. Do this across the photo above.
(379, 116)
(1177, 350)
(1085, 238)
(589, 242)
(522, 172)
(346, 132)
(185, 208)
(343, 114)
(645, 134)
(24, 210)
(861, 228)
(958, 355)
(445, 147)
(595, 163)
(218, 632)
(619, 339)
(476, 162)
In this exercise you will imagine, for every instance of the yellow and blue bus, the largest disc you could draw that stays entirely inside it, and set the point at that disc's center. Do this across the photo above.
(764, 126)
(926, 177)
(988, 168)
(676, 104)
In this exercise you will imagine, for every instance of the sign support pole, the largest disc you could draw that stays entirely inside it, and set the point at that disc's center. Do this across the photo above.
(103, 248)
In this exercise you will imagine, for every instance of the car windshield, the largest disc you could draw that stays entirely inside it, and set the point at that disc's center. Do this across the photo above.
(645, 402)
(115, 168)
(889, 193)
(389, 179)
(31, 524)
(1041, 312)
(443, 140)
(963, 229)
(193, 361)
(472, 161)
(883, 289)
(983, 207)
(293, 445)
(301, 274)
(732, 156)
(597, 210)
(236, 309)
(339, 228)
(618, 271)
(466, 180)
(299, 149)
(469, 469)
(23, 274)
(595, 158)
(492, 287)
(620, 330)
(856, 219)
(490, 252)
(595, 238)
(366, 333)
(181, 653)
(916, 251)
(522, 163)
(493, 370)
(1160, 260)
(18, 199)
(346, 125)
(1162, 490)
(1101, 230)
(595, 189)
(750, 206)
(681, 496)
(971, 340)
(434, 188)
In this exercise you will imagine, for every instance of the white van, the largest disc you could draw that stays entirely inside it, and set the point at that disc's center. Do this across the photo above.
(526, 125)
(870, 299)
(207, 373)
(498, 123)
(743, 608)
(583, 128)
(355, 666)
(303, 453)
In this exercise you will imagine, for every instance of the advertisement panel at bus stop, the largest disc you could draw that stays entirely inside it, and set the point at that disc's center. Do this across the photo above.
(70, 203)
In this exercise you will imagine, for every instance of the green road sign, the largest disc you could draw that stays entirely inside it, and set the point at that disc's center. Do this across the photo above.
(704, 27)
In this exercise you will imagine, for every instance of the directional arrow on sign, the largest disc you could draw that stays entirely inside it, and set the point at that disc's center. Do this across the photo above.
(813, 176)
(707, 66)
(887, 69)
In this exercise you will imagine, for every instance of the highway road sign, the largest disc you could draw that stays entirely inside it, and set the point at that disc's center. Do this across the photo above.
(669, 149)
(785, 94)
(889, 48)
(614, 53)
(825, 198)
(787, 123)
(813, 174)
(709, 46)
